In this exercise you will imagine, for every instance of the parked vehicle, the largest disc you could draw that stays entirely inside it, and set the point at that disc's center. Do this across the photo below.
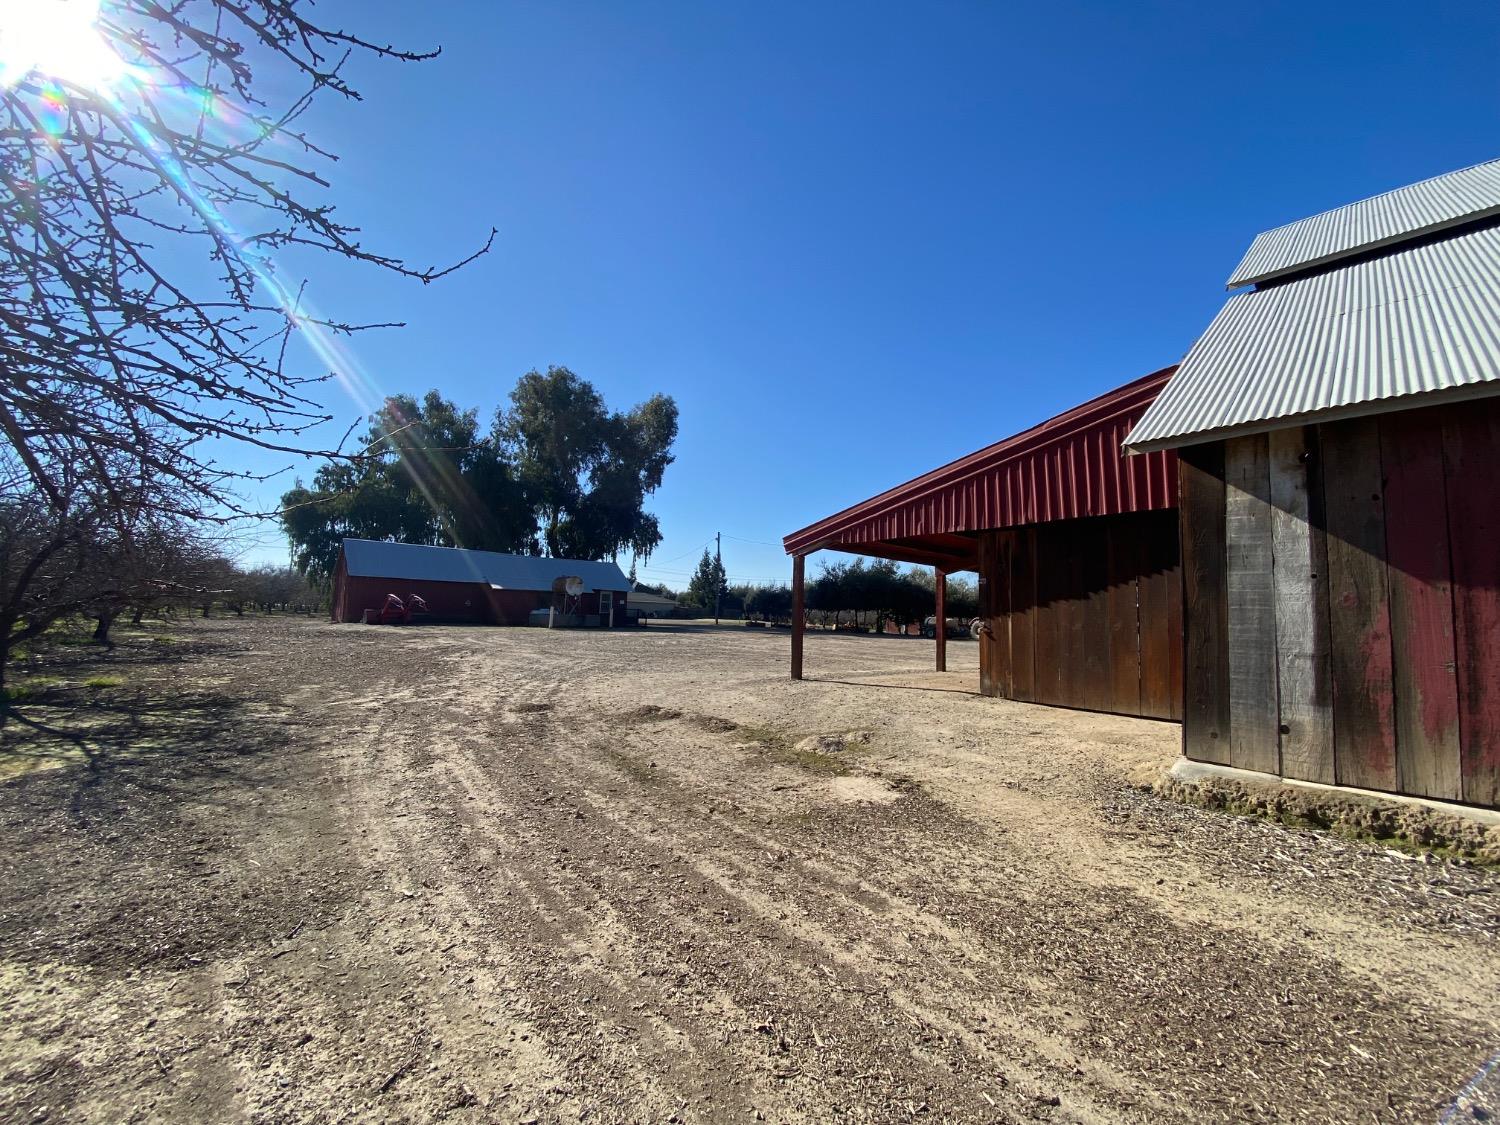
(957, 627)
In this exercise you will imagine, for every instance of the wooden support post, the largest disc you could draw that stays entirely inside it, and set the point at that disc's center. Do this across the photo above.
(940, 587)
(799, 616)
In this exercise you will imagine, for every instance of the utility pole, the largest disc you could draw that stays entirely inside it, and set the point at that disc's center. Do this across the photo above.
(718, 577)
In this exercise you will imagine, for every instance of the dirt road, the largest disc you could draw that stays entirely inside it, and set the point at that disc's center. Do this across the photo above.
(290, 871)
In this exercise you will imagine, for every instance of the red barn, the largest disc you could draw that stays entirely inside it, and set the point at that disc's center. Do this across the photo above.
(479, 586)
(1075, 546)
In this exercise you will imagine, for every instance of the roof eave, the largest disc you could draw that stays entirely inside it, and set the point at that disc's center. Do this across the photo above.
(1413, 401)
(806, 540)
(1237, 283)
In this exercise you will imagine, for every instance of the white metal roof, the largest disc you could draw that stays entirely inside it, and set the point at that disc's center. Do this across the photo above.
(1382, 220)
(645, 598)
(1421, 320)
(368, 558)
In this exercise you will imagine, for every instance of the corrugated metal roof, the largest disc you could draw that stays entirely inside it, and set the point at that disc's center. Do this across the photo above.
(368, 558)
(1382, 220)
(645, 599)
(1068, 466)
(1421, 321)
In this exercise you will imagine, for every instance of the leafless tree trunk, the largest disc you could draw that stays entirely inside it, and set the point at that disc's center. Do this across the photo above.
(117, 365)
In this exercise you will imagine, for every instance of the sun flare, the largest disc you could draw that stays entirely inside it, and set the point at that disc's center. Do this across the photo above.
(60, 40)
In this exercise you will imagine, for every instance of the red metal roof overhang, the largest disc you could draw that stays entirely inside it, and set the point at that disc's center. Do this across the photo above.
(1070, 466)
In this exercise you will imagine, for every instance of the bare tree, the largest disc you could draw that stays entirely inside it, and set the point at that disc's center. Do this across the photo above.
(117, 347)
(112, 536)
(110, 182)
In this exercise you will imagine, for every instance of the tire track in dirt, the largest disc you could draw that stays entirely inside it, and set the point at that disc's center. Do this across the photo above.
(666, 927)
(532, 938)
(463, 890)
(1383, 1023)
(734, 876)
(730, 884)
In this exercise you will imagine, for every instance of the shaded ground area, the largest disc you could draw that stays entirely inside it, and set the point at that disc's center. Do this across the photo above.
(290, 871)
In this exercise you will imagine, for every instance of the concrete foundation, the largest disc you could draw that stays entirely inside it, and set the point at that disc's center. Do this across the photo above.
(1189, 772)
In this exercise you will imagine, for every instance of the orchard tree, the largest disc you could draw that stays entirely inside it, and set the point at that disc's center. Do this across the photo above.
(143, 151)
(268, 586)
(146, 185)
(113, 537)
(771, 603)
(962, 596)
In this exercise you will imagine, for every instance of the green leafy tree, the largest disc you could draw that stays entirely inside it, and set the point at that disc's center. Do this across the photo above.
(587, 471)
(828, 593)
(769, 603)
(962, 594)
(709, 582)
(430, 478)
(880, 590)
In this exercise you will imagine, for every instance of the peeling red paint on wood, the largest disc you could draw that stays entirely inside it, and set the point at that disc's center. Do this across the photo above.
(1425, 678)
(1405, 507)
(1471, 440)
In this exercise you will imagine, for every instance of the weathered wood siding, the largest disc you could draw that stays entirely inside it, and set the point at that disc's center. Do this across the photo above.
(1205, 604)
(1085, 613)
(1342, 602)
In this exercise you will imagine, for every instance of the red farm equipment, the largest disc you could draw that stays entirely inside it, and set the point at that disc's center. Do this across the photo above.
(395, 611)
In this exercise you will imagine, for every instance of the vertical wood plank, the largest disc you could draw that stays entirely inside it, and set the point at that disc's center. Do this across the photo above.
(994, 588)
(1074, 675)
(1425, 677)
(1051, 612)
(1471, 438)
(1301, 617)
(1091, 641)
(1023, 615)
(1252, 621)
(1205, 716)
(1161, 639)
(1125, 545)
(998, 638)
(1359, 620)
(1174, 700)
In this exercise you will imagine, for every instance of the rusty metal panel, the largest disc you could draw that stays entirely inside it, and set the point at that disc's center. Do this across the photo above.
(1065, 468)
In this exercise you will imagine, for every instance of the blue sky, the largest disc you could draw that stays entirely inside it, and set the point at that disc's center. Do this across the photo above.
(855, 241)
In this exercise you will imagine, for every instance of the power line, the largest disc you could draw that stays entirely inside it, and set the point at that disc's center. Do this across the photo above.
(757, 542)
(674, 558)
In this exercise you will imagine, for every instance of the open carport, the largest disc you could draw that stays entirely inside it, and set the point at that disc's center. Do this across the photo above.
(1076, 550)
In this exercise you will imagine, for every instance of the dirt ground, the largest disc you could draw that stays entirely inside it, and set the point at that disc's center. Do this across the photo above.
(291, 871)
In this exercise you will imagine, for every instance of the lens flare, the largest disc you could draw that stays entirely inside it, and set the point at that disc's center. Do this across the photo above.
(52, 113)
(57, 39)
(58, 46)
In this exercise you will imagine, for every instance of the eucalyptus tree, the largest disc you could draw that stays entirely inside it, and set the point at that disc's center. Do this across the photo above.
(587, 470)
